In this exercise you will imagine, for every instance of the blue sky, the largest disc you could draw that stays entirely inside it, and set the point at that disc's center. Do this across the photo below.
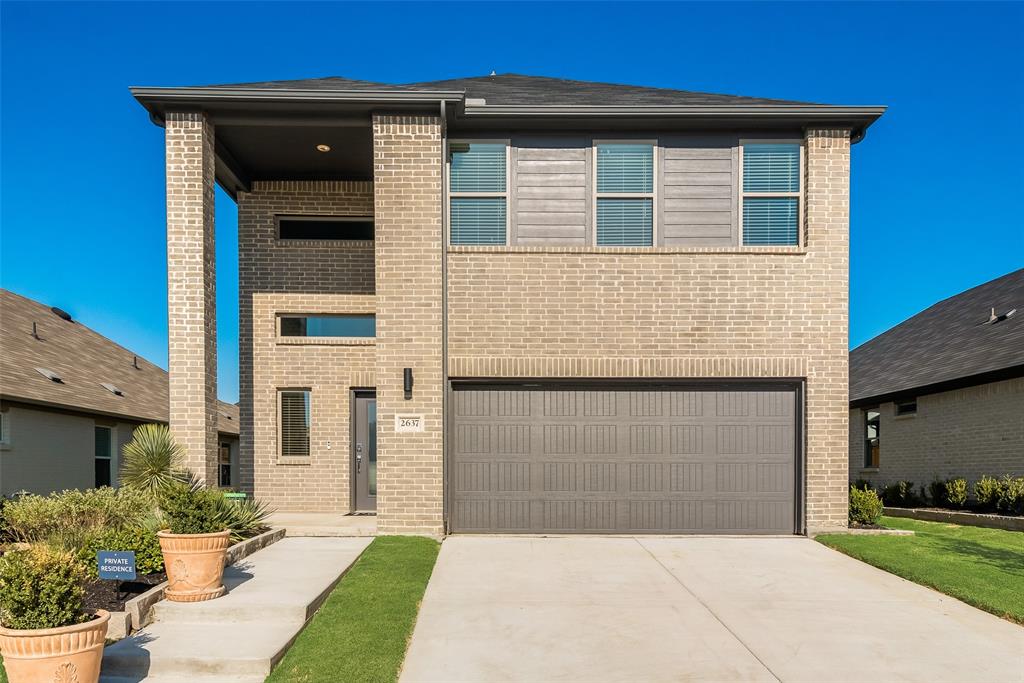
(81, 166)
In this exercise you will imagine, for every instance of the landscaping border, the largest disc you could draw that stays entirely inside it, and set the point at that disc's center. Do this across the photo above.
(1004, 522)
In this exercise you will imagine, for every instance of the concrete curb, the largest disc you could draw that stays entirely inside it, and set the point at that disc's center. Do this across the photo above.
(137, 610)
(1004, 522)
(863, 532)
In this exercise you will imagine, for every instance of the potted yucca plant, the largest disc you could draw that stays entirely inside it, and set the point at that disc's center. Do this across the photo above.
(44, 633)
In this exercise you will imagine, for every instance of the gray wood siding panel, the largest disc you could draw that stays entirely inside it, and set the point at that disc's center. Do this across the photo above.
(698, 203)
(551, 192)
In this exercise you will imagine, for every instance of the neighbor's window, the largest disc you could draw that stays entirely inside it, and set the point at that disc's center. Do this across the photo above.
(329, 325)
(5, 429)
(224, 461)
(771, 193)
(906, 407)
(294, 424)
(104, 437)
(478, 195)
(325, 228)
(871, 425)
(625, 194)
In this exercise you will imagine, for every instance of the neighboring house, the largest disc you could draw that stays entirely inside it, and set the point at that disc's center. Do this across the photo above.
(941, 395)
(519, 304)
(70, 399)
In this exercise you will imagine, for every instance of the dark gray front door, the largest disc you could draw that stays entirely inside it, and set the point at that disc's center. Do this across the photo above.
(364, 452)
(617, 459)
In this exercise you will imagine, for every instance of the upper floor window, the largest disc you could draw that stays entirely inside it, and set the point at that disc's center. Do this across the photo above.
(771, 193)
(478, 212)
(625, 194)
(349, 228)
(328, 325)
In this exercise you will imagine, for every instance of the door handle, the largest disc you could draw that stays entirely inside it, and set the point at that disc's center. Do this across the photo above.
(359, 459)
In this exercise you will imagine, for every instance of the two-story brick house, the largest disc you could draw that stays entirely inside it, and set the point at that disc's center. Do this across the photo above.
(520, 304)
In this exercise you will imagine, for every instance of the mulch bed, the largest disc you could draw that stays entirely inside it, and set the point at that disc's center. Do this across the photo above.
(858, 525)
(104, 594)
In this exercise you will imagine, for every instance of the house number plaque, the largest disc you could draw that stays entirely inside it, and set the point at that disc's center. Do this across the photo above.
(408, 423)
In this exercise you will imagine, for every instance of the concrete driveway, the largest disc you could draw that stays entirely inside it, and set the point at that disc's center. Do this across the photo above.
(700, 609)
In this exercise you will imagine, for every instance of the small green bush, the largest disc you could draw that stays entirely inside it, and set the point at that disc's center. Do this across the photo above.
(75, 514)
(937, 493)
(956, 493)
(40, 588)
(143, 542)
(190, 509)
(901, 495)
(1010, 500)
(863, 485)
(986, 491)
(865, 506)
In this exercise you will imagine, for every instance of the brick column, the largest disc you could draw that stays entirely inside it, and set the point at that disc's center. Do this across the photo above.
(191, 290)
(407, 220)
(827, 225)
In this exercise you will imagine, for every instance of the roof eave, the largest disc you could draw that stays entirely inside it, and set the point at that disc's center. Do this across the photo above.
(988, 377)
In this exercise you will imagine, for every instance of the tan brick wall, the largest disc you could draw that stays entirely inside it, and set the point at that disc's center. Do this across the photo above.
(584, 312)
(191, 290)
(963, 433)
(306, 276)
(407, 210)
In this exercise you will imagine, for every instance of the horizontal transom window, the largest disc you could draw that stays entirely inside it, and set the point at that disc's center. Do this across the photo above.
(324, 228)
(329, 326)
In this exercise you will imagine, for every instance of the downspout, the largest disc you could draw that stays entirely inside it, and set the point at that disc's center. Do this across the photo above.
(446, 385)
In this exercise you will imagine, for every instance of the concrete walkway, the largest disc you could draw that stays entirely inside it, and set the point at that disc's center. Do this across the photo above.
(700, 609)
(324, 524)
(239, 637)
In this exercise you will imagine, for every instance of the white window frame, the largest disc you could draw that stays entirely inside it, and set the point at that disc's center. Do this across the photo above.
(480, 195)
(652, 195)
(281, 457)
(799, 194)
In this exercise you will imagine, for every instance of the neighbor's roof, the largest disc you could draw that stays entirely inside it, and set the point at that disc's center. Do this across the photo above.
(86, 361)
(951, 343)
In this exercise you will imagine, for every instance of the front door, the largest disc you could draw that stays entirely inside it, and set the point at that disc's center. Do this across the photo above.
(364, 452)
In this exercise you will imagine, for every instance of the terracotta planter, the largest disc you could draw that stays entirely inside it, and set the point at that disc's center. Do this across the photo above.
(69, 654)
(194, 564)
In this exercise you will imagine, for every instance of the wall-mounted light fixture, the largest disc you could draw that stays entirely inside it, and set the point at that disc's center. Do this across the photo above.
(407, 382)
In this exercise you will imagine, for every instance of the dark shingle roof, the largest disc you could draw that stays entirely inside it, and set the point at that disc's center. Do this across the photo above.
(517, 89)
(85, 360)
(944, 343)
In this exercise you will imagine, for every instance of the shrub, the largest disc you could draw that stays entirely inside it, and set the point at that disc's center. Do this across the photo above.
(901, 495)
(986, 490)
(75, 514)
(865, 506)
(1010, 500)
(863, 485)
(937, 493)
(143, 542)
(190, 509)
(40, 588)
(152, 459)
(956, 492)
(245, 518)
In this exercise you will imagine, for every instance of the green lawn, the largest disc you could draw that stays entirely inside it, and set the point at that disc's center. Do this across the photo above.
(362, 630)
(982, 567)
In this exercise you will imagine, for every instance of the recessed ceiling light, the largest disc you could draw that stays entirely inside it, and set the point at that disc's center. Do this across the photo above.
(323, 148)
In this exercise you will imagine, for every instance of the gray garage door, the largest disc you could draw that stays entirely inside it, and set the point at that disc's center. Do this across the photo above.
(536, 458)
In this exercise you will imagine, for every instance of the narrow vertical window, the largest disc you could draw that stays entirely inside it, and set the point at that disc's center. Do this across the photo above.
(872, 451)
(294, 423)
(625, 194)
(5, 436)
(224, 460)
(478, 211)
(104, 450)
(771, 194)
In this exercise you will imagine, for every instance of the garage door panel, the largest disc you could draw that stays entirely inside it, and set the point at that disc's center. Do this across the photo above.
(664, 460)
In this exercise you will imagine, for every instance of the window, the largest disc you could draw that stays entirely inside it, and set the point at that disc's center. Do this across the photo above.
(871, 443)
(478, 210)
(325, 228)
(104, 451)
(625, 194)
(5, 429)
(224, 460)
(329, 326)
(906, 407)
(771, 193)
(294, 423)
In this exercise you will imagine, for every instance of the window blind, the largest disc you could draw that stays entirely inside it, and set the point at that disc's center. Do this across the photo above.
(625, 168)
(771, 168)
(478, 220)
(770, 220)
(295, 424)
(625, 222)
(477, 167)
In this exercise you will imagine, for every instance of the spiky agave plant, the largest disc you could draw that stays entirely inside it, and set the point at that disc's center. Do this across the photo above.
(153, 460)
(245, 518)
